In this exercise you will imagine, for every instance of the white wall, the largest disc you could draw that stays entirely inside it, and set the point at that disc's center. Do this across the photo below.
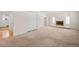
(23, 21)
(74, 18)
(11, 20)
(27, 21)
(40, 19)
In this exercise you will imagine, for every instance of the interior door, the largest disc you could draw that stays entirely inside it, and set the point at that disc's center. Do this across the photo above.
(45, 21)
(31, 21)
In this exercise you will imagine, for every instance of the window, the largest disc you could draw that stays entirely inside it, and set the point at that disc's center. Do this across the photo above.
(53, 20)
(67, 20)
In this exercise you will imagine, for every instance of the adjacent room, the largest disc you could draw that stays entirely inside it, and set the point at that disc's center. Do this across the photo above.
(39, 28)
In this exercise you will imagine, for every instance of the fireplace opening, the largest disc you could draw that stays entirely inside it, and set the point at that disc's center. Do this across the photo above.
(60, 23)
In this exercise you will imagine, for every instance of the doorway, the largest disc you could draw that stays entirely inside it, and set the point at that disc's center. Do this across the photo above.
(6, 25)
(45, 21)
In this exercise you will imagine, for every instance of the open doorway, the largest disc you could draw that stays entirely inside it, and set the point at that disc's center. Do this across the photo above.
(6, 25)
(45, 21)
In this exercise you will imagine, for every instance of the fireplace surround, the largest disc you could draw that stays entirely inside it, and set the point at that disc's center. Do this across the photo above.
(60, 23)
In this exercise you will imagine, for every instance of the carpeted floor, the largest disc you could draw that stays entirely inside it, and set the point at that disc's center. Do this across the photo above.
(45, 37)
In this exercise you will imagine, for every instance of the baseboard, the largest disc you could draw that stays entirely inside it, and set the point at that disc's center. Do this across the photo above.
(64, 28)
(32, 30)
(24, 33)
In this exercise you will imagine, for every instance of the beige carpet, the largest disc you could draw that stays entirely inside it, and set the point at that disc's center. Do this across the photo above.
(45, 37)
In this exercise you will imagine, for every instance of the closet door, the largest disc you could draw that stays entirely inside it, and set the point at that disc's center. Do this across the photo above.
(31, 21)
(34, 21)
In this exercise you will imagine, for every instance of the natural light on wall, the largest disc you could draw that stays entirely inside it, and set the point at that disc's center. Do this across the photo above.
(67, 20)
(53, 20)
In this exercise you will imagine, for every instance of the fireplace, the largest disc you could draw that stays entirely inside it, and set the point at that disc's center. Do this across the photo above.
(60, 23)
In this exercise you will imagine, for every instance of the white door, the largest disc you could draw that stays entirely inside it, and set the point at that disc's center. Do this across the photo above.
(31, 21)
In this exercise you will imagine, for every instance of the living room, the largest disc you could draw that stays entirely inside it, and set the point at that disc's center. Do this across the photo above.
(42, 28)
